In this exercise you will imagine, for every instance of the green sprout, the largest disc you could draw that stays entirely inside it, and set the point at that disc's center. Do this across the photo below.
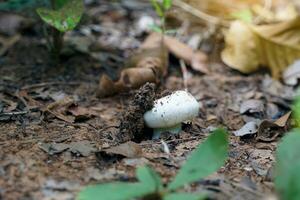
(63, 16)
(161, 9)
(206, 159)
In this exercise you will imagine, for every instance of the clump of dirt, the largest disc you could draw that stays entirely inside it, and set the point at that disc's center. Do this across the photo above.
(132, 122)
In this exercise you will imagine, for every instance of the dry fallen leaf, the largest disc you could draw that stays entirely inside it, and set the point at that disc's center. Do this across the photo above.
(268, 130)
(275, 46)
(149, 64)
(67, 110)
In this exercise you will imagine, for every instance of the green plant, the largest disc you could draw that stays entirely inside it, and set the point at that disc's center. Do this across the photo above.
(287, 175)
(296, 110)
(287, 179)
(161, 9)
(63, 16)
(206, 159)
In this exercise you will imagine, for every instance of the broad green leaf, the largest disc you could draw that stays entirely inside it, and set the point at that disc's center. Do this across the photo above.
(185, 196)
(114, 191)
(244, 15)
(206, 159)
(158, 9)
(274, 46)
(60, 3)
(64, 19)
(287, 174)
(296, 110)
(149, 178)
(167, 4)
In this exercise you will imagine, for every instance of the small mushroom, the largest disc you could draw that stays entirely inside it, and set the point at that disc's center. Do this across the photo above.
(170, 111)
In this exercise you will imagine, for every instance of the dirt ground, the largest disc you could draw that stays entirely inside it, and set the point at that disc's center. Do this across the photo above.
(53, 127)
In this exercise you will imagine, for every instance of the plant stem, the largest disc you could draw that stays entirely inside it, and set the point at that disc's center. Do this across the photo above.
(57, 37)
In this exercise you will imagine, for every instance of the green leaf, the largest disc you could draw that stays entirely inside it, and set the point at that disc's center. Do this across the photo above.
(114, 191)
(60, 3)
(206, 159)
(244, 15)
(158, 9)
(287, 179)
(155, 28)
(185, 196)
(296, 110)
(64, 19)
(149, 178)
(167, 4)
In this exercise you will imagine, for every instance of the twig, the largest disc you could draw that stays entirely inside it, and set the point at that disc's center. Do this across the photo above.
(47, 84)
(184, 74)
(211, 19)
(14, 113)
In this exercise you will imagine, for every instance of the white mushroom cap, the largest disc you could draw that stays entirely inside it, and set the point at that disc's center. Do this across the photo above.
(171, 110)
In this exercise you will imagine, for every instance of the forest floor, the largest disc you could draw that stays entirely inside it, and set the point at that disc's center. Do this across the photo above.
(54, 130)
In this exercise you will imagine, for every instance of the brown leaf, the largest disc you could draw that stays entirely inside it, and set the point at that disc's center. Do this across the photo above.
(129, 150)
(58, 109)
(149, 64)
(268, 130)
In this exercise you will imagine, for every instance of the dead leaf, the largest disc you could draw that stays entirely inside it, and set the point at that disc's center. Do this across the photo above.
(149, 64)
(128, 149)
(196, 59)
(146, 65)
(249, 128)
(83, 148)
(252, 106)
(268, 130)
(67, 110)
(81, 113)
(58, 109)
(7, 42)
(275, 46)
(291, 75)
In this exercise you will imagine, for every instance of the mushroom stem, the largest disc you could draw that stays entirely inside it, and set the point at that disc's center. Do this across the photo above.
(174, 130)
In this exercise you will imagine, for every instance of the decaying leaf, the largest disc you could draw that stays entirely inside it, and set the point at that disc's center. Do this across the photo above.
(8, 42)
(275, 46)
(222, 12)
(67, 110)
(269, 130)
(128, 149)
(292, 74)
(149, 64)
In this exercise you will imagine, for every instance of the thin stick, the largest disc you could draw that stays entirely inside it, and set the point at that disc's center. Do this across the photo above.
(38, 85)
(211, 19)
(184, 74)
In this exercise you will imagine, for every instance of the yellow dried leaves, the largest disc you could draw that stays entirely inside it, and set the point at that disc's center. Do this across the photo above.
(275, 46)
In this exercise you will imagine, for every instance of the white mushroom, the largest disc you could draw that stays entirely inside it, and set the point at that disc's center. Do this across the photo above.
(170, 111)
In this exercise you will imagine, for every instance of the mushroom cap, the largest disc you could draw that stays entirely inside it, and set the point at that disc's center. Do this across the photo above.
(171, 110)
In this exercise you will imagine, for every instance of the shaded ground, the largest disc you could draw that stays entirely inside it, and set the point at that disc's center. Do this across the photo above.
(29, 84)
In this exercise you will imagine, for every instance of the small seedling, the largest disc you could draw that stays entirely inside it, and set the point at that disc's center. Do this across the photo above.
(206, 159)
(161, 9)
(287, 177)
(63, 16)
(296, 110)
